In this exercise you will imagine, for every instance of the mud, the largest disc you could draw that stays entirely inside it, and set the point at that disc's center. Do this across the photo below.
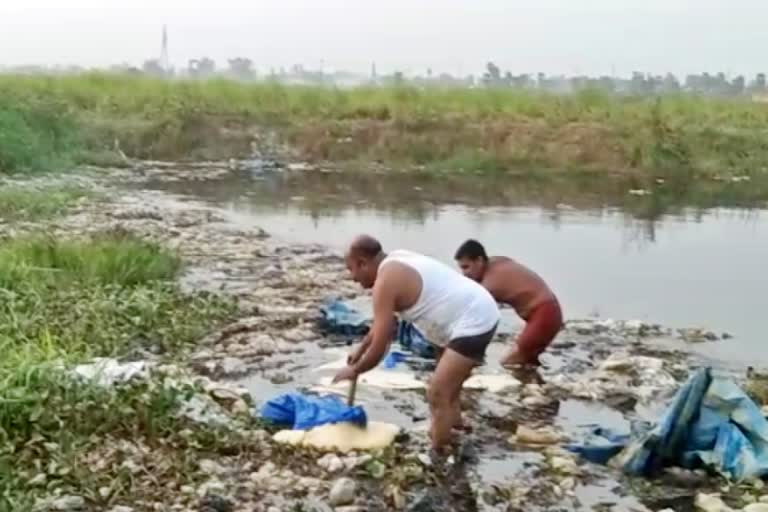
(597, 373)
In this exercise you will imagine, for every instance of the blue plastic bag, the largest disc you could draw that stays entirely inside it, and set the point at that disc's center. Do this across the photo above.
(303, 412)
(600, 446)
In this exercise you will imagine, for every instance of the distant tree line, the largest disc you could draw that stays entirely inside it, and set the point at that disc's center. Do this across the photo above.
(639, 84)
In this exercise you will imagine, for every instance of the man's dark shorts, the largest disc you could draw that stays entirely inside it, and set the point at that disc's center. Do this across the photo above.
(473, 347)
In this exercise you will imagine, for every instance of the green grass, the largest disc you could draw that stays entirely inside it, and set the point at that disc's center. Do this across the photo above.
(107, 260)
(69, 301)
(86, 117)
(26, 203)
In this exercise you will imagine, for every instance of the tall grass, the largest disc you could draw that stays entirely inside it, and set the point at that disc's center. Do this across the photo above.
(450, 129)
(107, 260)
(65, 302)
(26, 203)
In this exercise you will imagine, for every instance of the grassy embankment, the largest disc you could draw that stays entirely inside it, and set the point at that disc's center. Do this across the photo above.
(68, 301)
(46, 121)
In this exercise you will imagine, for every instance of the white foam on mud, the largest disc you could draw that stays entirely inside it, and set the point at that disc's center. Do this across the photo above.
(402, 380)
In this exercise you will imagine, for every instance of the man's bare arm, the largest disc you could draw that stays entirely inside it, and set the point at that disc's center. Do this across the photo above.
(384, 295)
(360, 349)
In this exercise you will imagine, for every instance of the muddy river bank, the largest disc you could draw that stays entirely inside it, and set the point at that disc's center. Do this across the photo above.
(282, 262)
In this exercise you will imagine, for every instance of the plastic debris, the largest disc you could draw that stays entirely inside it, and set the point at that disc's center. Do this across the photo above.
(339, 318)
(344, 437)
(600, 446)
(307, 411)
(108, 372)
(710, 422)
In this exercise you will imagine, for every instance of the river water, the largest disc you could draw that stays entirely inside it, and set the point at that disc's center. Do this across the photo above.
(616, 257)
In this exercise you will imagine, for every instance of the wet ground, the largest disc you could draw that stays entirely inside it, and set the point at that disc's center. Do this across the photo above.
(597, 373)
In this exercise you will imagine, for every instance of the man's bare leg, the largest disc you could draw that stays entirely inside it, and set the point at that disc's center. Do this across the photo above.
(443, 394)
(458, 422)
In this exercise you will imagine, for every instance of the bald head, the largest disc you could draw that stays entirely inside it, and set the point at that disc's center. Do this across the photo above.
(364, 247)
(363, 258)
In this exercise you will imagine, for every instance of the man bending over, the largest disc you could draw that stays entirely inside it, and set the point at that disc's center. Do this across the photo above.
(452, 311)
(516, 285)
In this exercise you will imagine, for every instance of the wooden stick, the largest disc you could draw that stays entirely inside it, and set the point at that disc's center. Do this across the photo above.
(352, 389)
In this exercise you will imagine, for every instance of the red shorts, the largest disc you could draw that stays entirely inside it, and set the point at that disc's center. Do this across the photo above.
(542, 325)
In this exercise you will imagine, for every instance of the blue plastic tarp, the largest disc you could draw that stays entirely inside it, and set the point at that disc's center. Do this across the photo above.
(411, 339)
(711, 422)
(302, 411)
(338, 317)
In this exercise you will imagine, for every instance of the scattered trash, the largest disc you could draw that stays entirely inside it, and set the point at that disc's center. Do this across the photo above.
(306, 411)
(542, 436)
(697, 335)
(642, 377)
(203, 409)
(107, 372)
(411, 339)
(711, 422)
(339, 318)
(601, 446)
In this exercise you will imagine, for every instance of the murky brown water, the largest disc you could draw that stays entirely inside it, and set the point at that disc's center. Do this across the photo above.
(608, 254)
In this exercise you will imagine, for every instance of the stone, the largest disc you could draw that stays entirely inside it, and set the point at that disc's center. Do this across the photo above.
(711, 503)
(565, 465)
(38, 479)
(210, 467)
(568, 483)
(535, 400)
(756, 507)
(121, 508)
(343, 492)
(424, 459)
(216, 503)
(211, 487)
(331, 463)
(67, 503)
(232, 365)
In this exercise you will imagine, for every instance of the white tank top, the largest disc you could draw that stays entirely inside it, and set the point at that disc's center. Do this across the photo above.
(450, 305)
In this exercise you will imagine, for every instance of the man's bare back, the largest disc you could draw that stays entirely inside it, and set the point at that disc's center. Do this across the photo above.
(510, 282)
(515, 284)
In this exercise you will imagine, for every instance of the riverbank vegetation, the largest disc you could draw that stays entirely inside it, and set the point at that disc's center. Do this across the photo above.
(48, 122)
(64, 302)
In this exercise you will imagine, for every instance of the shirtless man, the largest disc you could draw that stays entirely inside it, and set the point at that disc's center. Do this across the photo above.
(455, 313)
(516, 285)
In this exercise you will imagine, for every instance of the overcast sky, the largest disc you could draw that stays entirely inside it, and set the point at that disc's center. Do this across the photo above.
(554, 36)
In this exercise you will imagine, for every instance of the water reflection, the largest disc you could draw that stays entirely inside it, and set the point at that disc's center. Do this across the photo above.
(680, 265)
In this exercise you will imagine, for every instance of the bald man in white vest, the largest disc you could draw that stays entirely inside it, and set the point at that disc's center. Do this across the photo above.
(453, 312)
